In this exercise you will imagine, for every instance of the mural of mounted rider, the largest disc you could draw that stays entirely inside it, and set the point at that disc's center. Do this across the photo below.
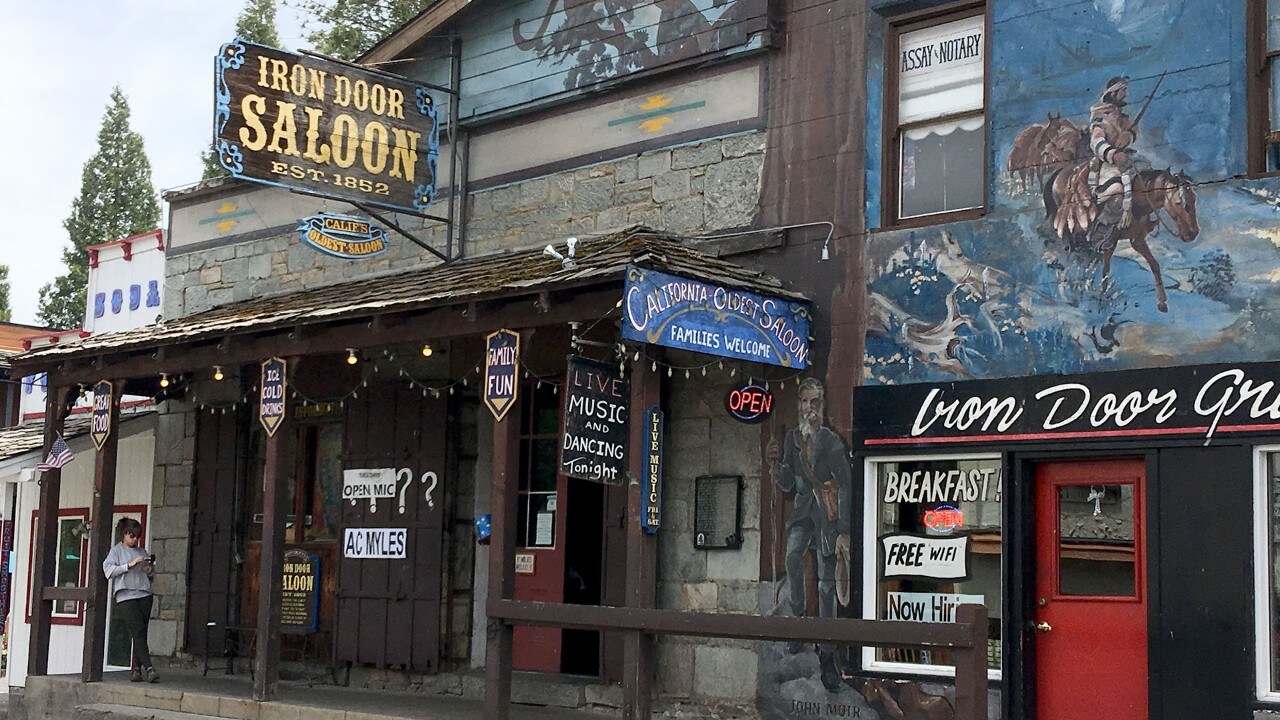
(1117, 233)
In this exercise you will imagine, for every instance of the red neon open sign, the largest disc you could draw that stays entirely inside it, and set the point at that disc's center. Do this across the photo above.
(943, 518)
(749, 403)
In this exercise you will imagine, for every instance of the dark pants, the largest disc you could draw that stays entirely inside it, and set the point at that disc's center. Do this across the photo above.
(136, 615)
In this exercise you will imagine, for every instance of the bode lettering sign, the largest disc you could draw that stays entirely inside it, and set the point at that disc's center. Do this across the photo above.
(311, 124)
(593, 445)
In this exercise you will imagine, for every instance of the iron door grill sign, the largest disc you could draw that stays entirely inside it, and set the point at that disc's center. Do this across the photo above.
(651, 510)
(341, 236)
(677, 312)
(100, 430)
(314, 125)
(271, 404)
(593, 444)
(502, 355)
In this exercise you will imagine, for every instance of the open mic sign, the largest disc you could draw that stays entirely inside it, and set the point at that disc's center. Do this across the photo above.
(749, 403)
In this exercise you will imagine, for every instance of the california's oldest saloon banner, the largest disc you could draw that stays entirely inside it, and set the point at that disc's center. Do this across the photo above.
(677, 312)
(1203, 401)
(309, 124)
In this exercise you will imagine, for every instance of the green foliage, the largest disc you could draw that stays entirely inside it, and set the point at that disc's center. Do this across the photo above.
(257, 23)
(348, 28)
(1215, 276)
(116, 200)
(6, 313)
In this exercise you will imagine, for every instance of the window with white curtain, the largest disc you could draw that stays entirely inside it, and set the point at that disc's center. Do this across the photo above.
(937, 68)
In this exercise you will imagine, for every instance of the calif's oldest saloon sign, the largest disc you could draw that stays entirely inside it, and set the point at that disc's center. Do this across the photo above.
(309, 124)
(1202, 401)
(688, 314)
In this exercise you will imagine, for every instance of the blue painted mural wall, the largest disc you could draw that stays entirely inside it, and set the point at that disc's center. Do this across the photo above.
(1009, 295)
(526, 51)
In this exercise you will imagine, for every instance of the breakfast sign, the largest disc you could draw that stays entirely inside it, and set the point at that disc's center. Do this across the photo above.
(318, 126)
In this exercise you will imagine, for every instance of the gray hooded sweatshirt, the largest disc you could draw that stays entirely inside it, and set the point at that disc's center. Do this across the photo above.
(131, 583)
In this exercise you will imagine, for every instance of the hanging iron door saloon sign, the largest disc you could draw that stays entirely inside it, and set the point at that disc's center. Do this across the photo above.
(501, 358)
(305, 123)
(677, 312)
(341, 236)
(593, 444)
(271, 404)
(100, 430)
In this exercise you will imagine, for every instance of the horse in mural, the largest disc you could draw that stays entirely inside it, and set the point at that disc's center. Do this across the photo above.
(600, 40)
(1042, 148)
(1079, 221)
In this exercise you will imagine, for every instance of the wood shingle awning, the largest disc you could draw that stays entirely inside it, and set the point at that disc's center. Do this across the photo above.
(325, 318)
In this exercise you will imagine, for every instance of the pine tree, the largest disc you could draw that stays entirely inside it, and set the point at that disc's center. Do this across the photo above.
(6, 313)
(257, 23)
(350, 27)
(116, 199)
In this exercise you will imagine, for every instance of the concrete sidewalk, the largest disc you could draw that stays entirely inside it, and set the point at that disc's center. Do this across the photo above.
(185, 695)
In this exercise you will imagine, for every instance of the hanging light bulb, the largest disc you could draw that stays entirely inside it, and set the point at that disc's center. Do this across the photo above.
(704, 371)
(654, 367)
(217, 372)
(668, 372)
(464, 382)
(637, 357)
(733, 372)
(351, 356)
(686, 373)
(426, 350)
(164, 379)
(720, 363)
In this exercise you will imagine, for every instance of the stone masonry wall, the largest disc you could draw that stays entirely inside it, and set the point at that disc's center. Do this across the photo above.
(703, 440)
(170, 520)
(703, 187)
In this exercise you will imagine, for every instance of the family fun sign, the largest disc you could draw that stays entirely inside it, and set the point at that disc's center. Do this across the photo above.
(677, 312)
(1203, 401)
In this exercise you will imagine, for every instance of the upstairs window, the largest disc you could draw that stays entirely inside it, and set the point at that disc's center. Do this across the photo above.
(935, 109)
(1264, 86)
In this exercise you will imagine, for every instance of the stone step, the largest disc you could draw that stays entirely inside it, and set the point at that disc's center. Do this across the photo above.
(110, 711)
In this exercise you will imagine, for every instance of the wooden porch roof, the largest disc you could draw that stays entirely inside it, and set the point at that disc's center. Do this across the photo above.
(599, 261)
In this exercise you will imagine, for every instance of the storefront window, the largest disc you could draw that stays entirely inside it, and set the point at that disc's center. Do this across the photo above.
(1267, 569)
(539, 467)
(69, 566)
(932, 542)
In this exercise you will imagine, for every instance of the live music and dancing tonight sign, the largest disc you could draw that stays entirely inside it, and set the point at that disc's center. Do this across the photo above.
(677, 312)
(597, 402)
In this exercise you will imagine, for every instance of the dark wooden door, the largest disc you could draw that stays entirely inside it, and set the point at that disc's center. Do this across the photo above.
(1091, 591)
(389, 609)
(220, 449)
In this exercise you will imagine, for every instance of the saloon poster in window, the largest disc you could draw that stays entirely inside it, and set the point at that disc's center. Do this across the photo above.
(593, 444)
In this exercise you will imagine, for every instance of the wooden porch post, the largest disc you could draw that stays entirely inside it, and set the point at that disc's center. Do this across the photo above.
(100, 535)
(44, 565)
(502, 579)
(642, 552)
(276, 476)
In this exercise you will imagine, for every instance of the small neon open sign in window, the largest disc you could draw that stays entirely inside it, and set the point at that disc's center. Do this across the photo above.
(944, 518)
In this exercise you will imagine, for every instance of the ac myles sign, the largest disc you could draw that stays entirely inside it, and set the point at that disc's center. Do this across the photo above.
(1203, 401)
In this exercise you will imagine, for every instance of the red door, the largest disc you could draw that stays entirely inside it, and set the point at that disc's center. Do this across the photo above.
(540, 533)
(1091, 606)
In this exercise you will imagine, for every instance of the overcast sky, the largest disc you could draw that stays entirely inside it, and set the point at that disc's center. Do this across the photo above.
(58, 63)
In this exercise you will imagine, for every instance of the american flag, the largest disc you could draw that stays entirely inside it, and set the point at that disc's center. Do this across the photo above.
(59, 455)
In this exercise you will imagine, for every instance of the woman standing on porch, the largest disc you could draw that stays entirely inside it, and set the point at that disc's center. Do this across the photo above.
(132, 569)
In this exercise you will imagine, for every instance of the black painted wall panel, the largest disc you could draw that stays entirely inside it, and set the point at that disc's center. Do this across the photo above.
(1202, 652)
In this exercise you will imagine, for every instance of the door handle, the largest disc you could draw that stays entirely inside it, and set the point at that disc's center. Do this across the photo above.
(1043, 626)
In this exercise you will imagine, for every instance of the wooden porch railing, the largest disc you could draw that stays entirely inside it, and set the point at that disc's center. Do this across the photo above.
(967, 636)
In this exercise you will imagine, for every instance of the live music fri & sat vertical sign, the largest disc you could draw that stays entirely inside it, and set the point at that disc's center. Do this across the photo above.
(501, 358)
(271, 399)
